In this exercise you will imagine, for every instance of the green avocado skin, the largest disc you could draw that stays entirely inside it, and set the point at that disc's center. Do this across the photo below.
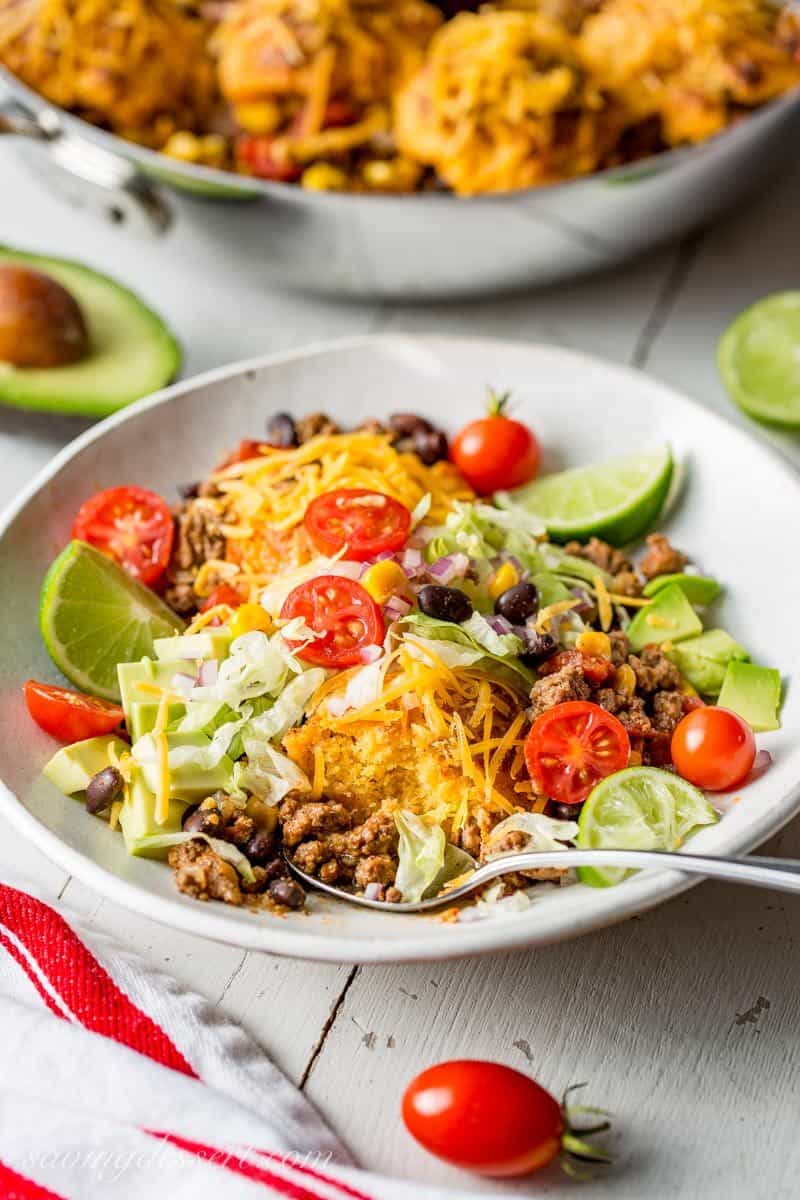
(132, 352)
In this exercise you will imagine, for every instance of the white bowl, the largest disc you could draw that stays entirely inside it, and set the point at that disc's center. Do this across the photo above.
(738, 517)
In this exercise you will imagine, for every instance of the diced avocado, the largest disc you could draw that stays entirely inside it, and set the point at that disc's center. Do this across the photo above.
(189, 779)
(138, 818)
(703, 660)
(71, 767)
(143, 713)
(698, 589)
(668, 618)
(210, 643)
(131, 351)
(754, 693)
(146, 670)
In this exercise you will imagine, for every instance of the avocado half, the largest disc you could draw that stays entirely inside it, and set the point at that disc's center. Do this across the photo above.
(132, 353)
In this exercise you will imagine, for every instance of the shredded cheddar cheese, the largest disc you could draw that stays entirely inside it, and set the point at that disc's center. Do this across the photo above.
(553, 610)
(604, 609)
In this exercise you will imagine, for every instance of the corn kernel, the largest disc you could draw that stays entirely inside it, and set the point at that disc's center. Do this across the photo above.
(385, 579)
(324, 177)
(595, 645)
(184, 146)
(686, 688)
(248, 618)
(635, 759)
(506, 576)
(261, 116)
(625, 679)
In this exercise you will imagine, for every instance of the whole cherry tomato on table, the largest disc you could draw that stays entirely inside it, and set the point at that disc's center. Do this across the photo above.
(496, 453)
(343, 612)
(131, 525)
(713, 748)
(70, 716)
(357, 522)
(491, 1119)
(572, 746)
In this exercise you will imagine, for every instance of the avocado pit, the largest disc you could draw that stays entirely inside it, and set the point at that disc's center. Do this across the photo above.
(41, 324)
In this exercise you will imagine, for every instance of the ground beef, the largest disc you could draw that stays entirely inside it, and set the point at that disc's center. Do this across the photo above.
(624, 579)
(667, 711)
(197, 539)
(661, 557)
(565, 684)
(620, 647)
(329, 841)
(313, 425)
(626, 583)
(654, 671)
(202, 874)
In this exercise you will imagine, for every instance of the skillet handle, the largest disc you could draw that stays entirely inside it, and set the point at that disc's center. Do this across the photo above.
(88, 175)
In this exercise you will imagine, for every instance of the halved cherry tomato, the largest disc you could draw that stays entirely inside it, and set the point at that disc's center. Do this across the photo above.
(70, 716)
(246, 449)
(572, 746)
(257, 152)
(713, 748)
(495, 452)
(358, 521)
(343, 611)
(484, 1116)
(223, 594)
(132, 526)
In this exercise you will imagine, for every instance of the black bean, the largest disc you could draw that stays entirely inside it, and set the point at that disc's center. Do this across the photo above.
(538, 647)
(276, 869)
(444, 603)
(517, 603)
(103, 789)
(188, 491)
(281, 431)
(430, 446)
(260, 848)
(287, 892)
(409, 423)
(565, 812)
(201, 820)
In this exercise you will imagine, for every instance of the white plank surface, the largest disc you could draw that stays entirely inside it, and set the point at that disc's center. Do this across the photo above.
(684, 1020)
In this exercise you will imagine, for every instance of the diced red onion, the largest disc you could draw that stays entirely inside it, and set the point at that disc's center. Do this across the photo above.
(586, 603)
(373, 891)
(412, 561)
(761, 763)
(370, 654)
(183, 684)
(209, 670)
(500, 624)
(449, 567)
(397, 607)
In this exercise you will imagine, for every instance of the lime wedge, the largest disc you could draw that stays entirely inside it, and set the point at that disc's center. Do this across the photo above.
(93, 615)
(617, 500)
(759, 360)
(640, 808)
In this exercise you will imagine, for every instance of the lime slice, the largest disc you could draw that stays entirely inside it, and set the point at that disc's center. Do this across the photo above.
(93, 615)
(759, 360)
(617, 500)
(640, 808)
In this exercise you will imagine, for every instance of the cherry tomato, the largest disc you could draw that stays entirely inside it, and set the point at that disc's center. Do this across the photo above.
(339, 113)
(70, 716)
(496, 453)
(358, 521)
(484, 1116)
(245, 450)
(132, 526)
(343, 611)
(257, 152)
(713, 748)
(572, 746)
(224, 594)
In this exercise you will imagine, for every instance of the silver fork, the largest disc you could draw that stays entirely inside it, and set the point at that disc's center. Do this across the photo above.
(780, 874)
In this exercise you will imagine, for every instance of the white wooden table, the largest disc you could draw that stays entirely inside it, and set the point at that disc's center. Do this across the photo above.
(685, 1021)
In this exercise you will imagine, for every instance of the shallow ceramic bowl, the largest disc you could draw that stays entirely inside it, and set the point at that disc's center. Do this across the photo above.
(733, 515)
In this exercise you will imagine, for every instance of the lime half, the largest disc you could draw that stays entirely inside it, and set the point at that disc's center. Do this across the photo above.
(640, 808)
(93, 615)
(759, 360)
(617, 500)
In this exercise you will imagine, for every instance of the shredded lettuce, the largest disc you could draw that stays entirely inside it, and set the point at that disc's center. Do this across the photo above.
(288, 708)
(501, 645)
(363, 687)
(267, 773)
(421, 855)
(544, 833)
(458, 647)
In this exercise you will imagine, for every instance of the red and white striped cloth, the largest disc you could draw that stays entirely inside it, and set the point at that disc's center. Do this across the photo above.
(118, 1084)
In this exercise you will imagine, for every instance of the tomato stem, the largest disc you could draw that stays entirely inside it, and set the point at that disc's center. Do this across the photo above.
(574, 1146)
(496, 404)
